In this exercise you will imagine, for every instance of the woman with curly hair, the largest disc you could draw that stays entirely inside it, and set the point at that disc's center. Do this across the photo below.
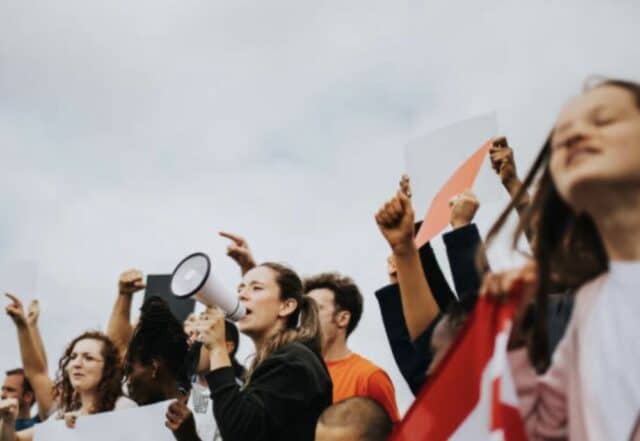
(89, 378)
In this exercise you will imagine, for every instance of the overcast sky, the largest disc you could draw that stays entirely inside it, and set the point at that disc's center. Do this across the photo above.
(132, 131)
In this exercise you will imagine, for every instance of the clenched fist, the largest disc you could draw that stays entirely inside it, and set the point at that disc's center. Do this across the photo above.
(502, 161)
(395, 220)
(463, 208)
(131, 281)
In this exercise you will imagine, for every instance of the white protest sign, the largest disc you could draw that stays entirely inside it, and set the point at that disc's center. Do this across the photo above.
(431, 159)
(145, 423)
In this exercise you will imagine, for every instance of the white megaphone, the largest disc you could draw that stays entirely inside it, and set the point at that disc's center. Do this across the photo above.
(193, 277)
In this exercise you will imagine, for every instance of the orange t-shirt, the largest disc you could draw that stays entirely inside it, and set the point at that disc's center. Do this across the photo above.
(356, 376)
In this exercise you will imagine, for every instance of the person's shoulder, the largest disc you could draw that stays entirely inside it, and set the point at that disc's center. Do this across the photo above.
(294, 351)
(293, 359)
(124, 403)
(587, 294)
(294, 355)
(364, 365)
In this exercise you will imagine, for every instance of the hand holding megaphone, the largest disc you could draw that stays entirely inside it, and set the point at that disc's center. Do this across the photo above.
(210, 329)
(194, 277)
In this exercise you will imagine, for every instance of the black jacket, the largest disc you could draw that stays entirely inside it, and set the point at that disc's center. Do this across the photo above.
(283, 400)
(413, 358)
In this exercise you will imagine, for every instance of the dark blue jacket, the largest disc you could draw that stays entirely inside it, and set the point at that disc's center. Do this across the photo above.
(413, 358)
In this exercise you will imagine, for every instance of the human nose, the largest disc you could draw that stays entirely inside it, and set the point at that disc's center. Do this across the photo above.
(576, 134)
(243, 294)
(75, 363)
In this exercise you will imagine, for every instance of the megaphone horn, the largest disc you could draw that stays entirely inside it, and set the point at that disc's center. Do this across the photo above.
(193, 277)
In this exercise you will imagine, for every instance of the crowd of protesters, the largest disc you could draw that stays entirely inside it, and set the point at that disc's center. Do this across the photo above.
(574, 348)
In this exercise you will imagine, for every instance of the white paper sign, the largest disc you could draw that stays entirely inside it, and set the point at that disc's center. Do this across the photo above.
(145, 423)
(431, 159)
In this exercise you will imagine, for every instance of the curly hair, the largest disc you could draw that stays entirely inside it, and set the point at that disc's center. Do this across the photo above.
(110, 386)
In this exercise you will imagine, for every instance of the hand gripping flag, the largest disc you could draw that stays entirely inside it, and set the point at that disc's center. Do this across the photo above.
(471, 396)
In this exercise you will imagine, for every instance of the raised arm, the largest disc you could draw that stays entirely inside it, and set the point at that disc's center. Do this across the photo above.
(239, 251)
(463, 243)
(119, 328)
(504, 164)
(35, 368)
(395, 220)
(33, 313)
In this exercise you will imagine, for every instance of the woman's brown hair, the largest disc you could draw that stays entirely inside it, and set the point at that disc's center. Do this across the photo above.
(301, 326)
(110, 386)
(566, 245)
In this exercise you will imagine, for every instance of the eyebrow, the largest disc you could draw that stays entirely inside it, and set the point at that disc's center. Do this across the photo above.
(85, 353)
(253, 282)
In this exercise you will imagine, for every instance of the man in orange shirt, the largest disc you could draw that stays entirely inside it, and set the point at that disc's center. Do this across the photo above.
(340, 308)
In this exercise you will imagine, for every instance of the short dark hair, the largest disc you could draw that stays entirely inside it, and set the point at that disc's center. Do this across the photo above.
(362, 413)
(26, 385)
(346, 295)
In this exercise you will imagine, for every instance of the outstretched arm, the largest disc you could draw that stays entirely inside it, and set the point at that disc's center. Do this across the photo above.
(239, 251)
(119, 328)
(504, 164)
(35, 368)
(463, 244)
(33, 313)
(395, 220)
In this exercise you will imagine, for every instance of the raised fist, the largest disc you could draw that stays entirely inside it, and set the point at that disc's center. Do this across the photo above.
(502, 161)
(130, 281)
(395, 220)
(463, 208)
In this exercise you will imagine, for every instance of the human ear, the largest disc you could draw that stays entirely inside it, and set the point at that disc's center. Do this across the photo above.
(288, 307)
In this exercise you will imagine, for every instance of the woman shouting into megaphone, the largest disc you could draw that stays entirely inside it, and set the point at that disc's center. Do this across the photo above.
(288, 385)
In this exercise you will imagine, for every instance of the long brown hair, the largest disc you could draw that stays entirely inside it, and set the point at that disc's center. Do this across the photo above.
(110, 386)
(302, 325)
(567, 247)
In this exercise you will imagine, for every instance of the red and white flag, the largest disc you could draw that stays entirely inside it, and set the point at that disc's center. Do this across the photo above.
(471, 396)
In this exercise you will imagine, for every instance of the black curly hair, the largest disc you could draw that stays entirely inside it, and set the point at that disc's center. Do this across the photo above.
(159, 336)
